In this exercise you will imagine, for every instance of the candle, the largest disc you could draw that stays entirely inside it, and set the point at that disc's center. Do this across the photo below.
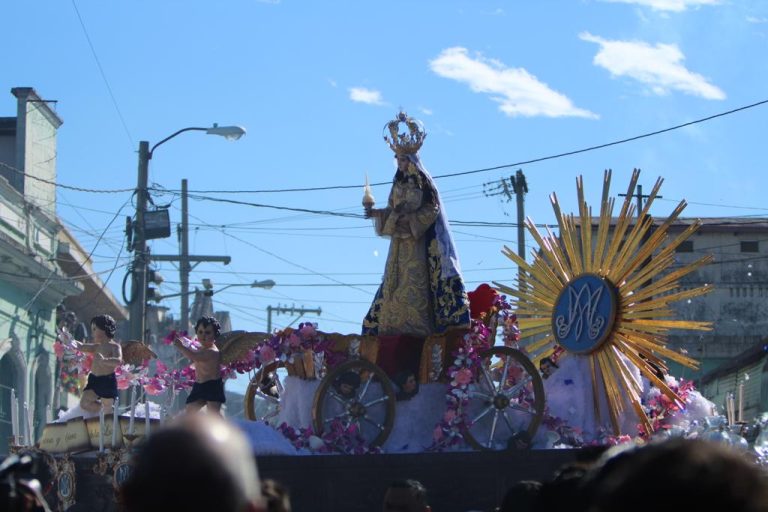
(368, 199)
(101, 429)
(14, 417)
(30, 438)
(115, 419)
(146, 418)
(131, 431)
(741, 402)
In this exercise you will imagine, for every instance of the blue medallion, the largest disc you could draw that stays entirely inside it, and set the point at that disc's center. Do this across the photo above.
(584, 313)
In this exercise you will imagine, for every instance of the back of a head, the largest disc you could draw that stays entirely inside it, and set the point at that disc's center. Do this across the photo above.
(198, 462)
(521, 496)
(406, 496)
(688, 474)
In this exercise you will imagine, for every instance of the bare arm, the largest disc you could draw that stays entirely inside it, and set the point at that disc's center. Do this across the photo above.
(86, 347)
(196, 356)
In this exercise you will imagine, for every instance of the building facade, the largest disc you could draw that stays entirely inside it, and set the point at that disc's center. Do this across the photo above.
(31, 283)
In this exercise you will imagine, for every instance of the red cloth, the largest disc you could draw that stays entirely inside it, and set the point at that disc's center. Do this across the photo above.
(399, 353)
(481, 300)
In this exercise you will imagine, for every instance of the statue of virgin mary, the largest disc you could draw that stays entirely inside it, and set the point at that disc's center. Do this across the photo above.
(422, 291)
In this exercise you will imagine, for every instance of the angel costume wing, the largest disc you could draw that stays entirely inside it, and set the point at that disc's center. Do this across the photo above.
(234, 345)
(136, 352)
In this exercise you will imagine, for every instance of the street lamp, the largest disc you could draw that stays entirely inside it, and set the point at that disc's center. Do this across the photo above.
(209, 291)
(141, 258)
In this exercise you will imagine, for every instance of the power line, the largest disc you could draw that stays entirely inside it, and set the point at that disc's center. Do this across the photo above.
(498, 167)
(103, 75)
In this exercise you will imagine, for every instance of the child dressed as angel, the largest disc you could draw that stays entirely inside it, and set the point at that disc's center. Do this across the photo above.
(209, 386)
(101, 388)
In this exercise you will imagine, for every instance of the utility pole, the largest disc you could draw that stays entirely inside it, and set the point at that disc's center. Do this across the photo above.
(185, 260)
(184, 267)
(290, 311)
(640, 196)
(520, 187)
(141, 255)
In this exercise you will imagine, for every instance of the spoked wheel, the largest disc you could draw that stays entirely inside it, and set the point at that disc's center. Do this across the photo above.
(506, 403)
(356, 393)
(264, 386)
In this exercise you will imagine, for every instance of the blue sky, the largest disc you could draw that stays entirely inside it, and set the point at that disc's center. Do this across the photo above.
(314, 83)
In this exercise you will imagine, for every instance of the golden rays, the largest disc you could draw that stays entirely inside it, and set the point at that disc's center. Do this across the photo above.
(604, 294)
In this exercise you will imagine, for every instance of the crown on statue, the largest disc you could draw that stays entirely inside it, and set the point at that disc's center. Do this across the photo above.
(409, 142)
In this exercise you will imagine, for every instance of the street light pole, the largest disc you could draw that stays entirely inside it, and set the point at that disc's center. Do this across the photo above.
(138, 304)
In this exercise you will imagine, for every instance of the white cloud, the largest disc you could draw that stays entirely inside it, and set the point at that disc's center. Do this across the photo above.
(426, 111)
(667, 5)
(754, 19)
(659, 67)
(363, 95)
(332, 82)
(518, 92)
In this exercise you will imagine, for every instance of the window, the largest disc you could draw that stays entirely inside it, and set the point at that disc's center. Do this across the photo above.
(750, 246)
(686, 246)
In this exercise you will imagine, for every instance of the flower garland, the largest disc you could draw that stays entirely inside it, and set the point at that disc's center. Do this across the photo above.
(448, 433)
(660, 408)
(339, 438)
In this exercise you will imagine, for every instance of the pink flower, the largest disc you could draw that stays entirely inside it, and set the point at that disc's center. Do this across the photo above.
(154, 387)
(449, 415)
(58, 349)
(463, 377)
(437, 434)
(170, 337)
(267, 354)
(308, 331)
(161, 367)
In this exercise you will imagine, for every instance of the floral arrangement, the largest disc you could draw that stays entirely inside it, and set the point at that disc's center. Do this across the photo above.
(448, 432)
(74, 365)
(284, 346)
(660, 408)
(339, 438)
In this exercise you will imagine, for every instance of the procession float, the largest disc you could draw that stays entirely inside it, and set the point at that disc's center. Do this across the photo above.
(569, 353)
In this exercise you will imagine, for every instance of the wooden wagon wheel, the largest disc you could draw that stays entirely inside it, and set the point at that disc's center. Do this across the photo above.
(506, 402)
(265, 385)
(358, 393)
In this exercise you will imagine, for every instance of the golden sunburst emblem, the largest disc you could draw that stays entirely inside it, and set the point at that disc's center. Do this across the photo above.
(606, 295)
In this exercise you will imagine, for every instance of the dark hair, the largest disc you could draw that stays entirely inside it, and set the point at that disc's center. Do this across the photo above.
(106, 323)
(175, 470)
(548, 360)
(417, 489)
(521, 496)
(691, 474)
(206, 321)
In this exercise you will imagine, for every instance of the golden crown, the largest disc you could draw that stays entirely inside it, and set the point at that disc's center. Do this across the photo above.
(407, 142)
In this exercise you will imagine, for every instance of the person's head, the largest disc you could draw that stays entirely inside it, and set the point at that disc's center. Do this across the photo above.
(207, 330)
(547, 367)
(691, 474)
(521, 496)
(566, 491)
(198, 462)
(406, 496)
(276, 495)
(105, 324)
(347, 383)
(407, 385)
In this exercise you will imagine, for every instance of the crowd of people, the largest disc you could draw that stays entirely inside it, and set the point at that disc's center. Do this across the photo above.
(202, 462)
